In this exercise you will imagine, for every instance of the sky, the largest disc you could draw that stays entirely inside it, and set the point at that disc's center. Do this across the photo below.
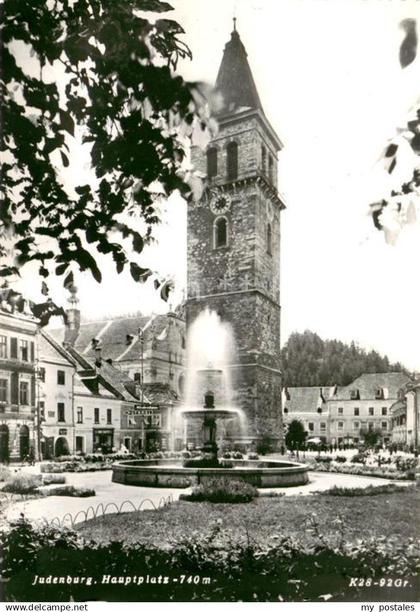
(329, 79)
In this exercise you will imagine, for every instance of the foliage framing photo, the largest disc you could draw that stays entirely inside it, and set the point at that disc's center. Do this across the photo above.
(101, 73)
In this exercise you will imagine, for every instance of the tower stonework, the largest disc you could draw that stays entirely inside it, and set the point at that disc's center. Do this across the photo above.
(234, 242)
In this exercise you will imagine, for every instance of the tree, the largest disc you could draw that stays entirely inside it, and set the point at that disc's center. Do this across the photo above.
(403, 206)
(307, 360)
(100, 72)
(371, 437)
(296, 435)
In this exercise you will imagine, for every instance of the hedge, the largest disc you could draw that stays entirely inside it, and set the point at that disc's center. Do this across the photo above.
(240, 570)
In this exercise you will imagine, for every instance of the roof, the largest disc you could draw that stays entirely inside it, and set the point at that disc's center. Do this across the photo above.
(111, 378)
(234, 80)
(399, 407)
(160, 393)
(113, 333)
(305, 399)
(49, 348)
(368, 384)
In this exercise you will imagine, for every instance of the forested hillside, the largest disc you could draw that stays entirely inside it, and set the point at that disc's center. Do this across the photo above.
(308, 360)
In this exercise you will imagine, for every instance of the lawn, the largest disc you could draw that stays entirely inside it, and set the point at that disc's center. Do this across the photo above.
(394, 514)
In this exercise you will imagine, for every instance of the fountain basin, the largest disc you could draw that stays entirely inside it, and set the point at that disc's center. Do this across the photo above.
(171, 473)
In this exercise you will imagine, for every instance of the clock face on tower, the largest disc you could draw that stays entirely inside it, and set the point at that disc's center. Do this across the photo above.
(220, 204)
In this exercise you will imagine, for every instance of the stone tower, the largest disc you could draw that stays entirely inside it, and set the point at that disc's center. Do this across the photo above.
(234, 242)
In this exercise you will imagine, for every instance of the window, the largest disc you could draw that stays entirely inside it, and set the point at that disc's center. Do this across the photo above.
(340, 424)
(24, 350)
(41, 374)
(232, 160)
(384, 410)
(339, 410)
(61, 377)
(371, 411)
(356, 412)
(211, 162)
(127, 443)
(370, 426)
(183, 343)
(270, 168)
(13, 348)
(42, 411)
(379, 394)
(3, 347)
(354, 394)
(323, 426)
(155, 420)
(96, 416)
(61, 417)
(3, 389)
(384, 425)
(80, 414)
(220, 232)
(310, 426)
(263, 159)
(109, 416)
(356, 425)
(269, 239)
(79, 444)
(24, 393)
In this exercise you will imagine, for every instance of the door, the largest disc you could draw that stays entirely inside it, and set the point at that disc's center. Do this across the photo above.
(4, 444)
(23, 441)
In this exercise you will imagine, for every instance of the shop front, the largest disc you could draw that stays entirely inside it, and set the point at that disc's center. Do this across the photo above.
(103, 440)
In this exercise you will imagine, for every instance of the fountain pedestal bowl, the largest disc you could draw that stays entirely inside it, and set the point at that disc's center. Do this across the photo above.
(171, 473)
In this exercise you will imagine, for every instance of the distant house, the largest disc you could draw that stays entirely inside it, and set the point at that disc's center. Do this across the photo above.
(341, 415)
(308, 405)
(152, 346)
(18, 331)
(56, 372)
(405, 415)
(82, 403)
(149, 351)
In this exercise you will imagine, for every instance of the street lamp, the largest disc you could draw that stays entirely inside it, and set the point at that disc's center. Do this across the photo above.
(141, 340)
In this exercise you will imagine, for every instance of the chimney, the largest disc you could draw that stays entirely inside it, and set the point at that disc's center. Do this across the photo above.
(97, 347)
(73, 318)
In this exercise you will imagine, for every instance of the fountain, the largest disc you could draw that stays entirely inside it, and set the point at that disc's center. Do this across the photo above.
(207, 416)
(209, 403)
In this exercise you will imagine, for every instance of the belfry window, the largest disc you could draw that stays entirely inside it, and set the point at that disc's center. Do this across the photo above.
(211, 162)
(220, 232)
(232, 160)
(269, 239)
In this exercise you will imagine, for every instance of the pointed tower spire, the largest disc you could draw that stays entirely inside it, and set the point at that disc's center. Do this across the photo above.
(234, 80)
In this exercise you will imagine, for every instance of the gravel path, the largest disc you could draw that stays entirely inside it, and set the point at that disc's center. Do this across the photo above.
(108, 492)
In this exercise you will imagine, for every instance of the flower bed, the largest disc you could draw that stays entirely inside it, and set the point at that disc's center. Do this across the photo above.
(363, 491)
(395, 467)
(364, 470)
(66, 490)
(22, 483)
(222, 491)
(53, 467)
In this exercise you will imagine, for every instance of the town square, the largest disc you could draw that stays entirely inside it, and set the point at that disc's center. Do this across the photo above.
(209, 380)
